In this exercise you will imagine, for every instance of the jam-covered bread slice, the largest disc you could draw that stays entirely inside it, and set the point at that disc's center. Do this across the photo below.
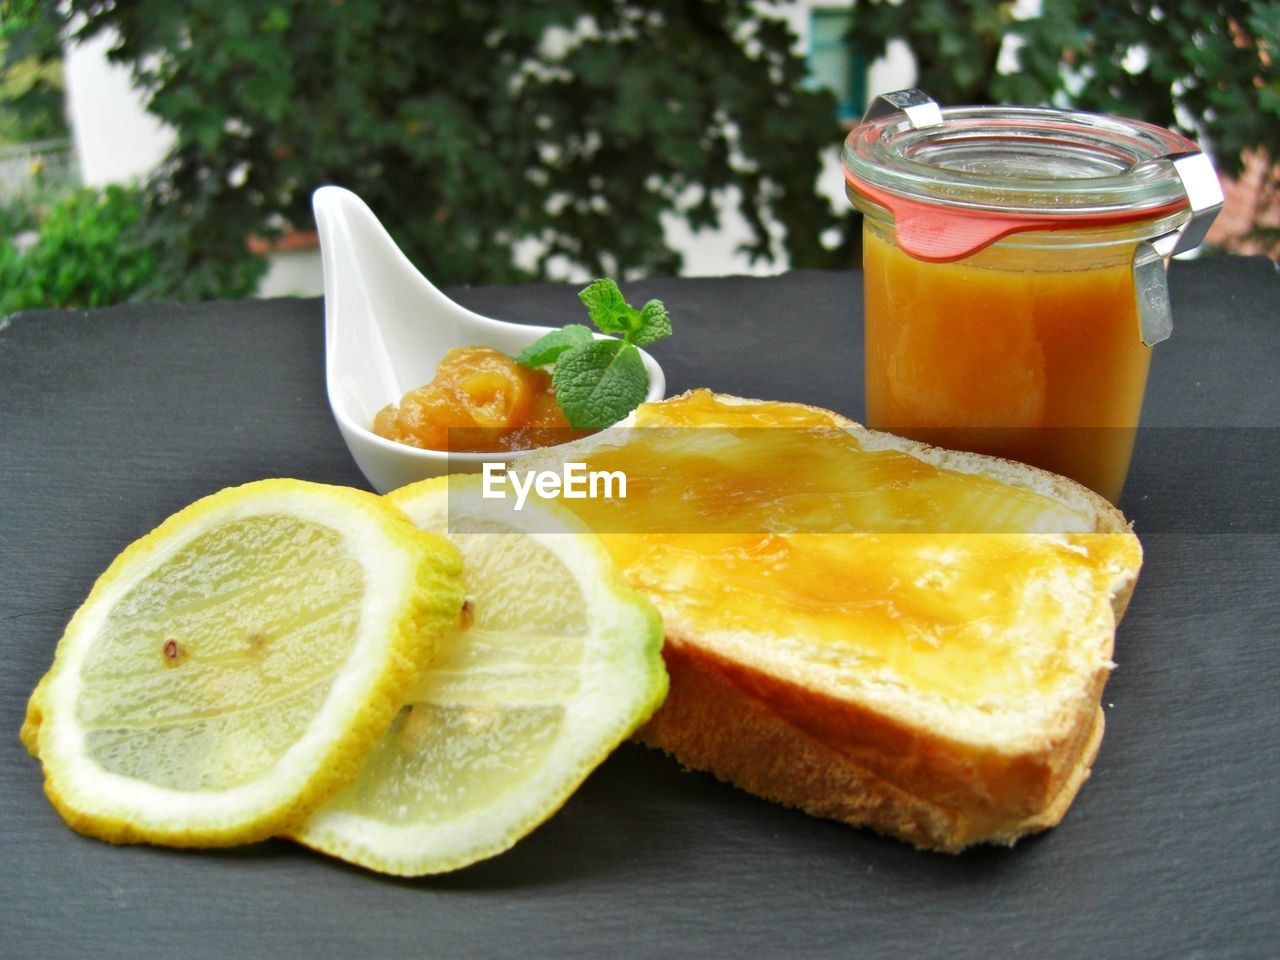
(862, 626)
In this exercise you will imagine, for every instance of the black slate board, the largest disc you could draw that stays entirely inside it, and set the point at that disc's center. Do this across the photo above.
(112, 419)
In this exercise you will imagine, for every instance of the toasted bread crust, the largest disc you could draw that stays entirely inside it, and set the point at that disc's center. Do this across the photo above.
(711, 723)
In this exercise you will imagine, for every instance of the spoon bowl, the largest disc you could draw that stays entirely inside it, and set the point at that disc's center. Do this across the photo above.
(387, 327)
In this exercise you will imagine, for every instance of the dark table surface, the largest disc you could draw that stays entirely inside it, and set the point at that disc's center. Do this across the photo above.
(112, 419)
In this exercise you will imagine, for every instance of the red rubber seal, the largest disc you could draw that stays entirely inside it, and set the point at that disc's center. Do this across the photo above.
(939, 234)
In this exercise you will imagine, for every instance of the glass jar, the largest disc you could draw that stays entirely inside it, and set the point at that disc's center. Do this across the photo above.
(1014, 269)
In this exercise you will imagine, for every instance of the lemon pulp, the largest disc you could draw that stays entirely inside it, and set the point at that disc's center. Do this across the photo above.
(204, 675)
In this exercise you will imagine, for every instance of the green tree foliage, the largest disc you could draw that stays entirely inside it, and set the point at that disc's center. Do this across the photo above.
(1206, 67)
(30, 72)
(90, 252)
(468, 125)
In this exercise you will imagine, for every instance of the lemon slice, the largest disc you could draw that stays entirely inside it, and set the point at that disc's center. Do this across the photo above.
(557, 663)
(230, 670)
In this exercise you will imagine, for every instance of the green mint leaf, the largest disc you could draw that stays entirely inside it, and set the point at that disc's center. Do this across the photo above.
(607, 307)
(599, 383)
(547, 348)
(654, 324)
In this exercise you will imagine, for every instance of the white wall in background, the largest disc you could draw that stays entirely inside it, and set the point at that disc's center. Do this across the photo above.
(116, 140)
(293, 273)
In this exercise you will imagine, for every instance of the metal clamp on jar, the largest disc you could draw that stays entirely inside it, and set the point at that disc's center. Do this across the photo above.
(1014, 262)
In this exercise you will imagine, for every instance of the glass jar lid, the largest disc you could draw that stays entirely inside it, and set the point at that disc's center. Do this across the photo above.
(959, 178)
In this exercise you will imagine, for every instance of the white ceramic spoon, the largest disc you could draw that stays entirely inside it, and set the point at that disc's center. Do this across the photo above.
(386, 329)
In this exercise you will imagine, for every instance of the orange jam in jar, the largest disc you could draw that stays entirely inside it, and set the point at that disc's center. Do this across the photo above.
(1018, 355)
(482, 401)
(1013, 265)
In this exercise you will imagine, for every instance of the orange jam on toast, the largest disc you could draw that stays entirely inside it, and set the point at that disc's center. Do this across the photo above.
(480, 400)
(922, 575)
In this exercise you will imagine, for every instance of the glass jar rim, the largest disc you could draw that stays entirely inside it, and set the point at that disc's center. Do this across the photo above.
(1020, 161)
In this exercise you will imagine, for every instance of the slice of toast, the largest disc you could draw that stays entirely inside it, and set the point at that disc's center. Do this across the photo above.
(865, 627)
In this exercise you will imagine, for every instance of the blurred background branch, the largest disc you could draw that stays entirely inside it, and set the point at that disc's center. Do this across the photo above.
(557, 138)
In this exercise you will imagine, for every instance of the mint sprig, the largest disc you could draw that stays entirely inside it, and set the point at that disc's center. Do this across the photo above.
(598, 382)
(548, 348)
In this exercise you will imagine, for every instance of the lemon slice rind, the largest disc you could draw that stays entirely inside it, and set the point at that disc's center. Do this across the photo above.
(411, 593)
